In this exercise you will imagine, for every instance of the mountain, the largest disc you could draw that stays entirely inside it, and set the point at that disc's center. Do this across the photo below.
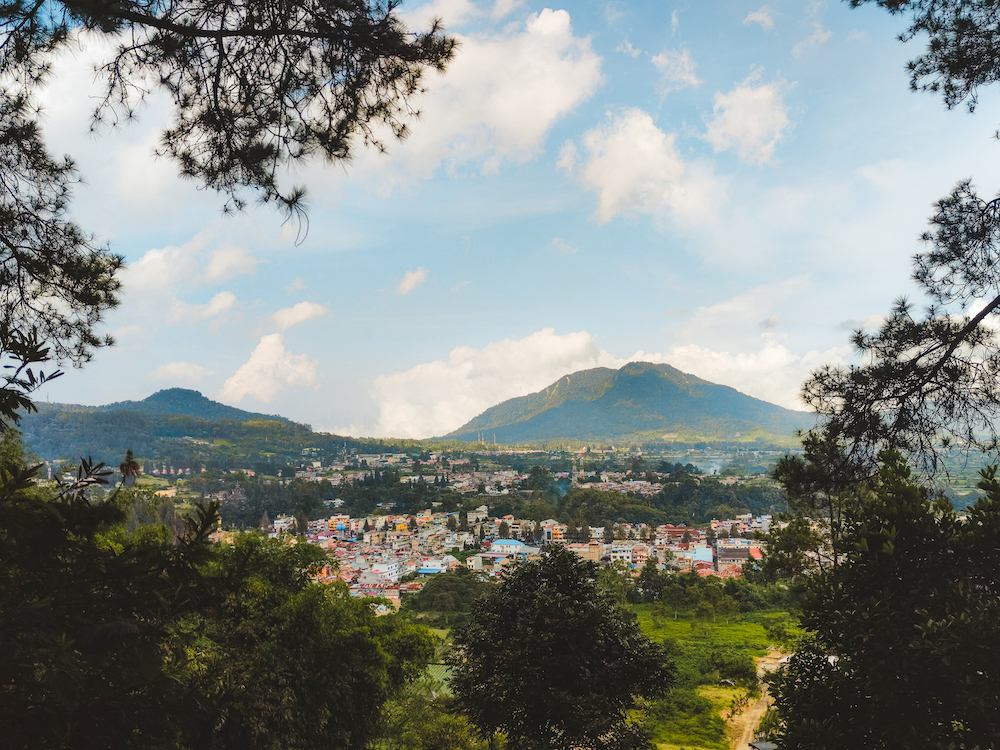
(183, 402)
(640, 402)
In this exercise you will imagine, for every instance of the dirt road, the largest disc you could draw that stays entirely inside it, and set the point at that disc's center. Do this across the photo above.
(742, 726)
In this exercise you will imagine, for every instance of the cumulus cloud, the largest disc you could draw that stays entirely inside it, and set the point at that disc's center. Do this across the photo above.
(411, 280)
(180, 372)
(562, 246)
(185, 311)
(228, 261)
(298, 313)
(819, 35)
(636, 168)
(773, 372)
(626, 48)
(727, 324)
(750, 119)
(437, 397)
(871, 323)
(197, 262)
(501, 96)
(269, 370)
(762, 16)
(567, 157)
(677, 67)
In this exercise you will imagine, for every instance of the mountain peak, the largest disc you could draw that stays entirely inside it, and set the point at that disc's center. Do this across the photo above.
(642, 402)
(185, 402)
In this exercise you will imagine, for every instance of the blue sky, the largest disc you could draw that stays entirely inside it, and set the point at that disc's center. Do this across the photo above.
(728, 187)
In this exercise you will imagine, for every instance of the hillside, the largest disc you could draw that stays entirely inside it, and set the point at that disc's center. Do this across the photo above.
(183, 402)
(641, 402)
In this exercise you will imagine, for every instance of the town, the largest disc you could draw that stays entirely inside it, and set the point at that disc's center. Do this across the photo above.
(386, 554)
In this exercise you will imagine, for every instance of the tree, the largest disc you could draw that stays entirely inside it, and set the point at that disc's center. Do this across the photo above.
(119, 634)
(963, 46)
(819, 486)
(314, 664)
(551, 661)
(452, 524)
(503, 531)
(931, 378)
(904, 653)
(255, 87)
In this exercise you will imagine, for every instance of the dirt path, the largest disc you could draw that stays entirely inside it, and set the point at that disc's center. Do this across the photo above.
(743, 725)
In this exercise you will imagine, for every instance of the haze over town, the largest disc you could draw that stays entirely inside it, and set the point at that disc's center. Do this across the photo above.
(729, 188)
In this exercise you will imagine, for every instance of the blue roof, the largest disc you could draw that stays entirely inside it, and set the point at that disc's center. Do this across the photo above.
(703, 554)
(508, 542)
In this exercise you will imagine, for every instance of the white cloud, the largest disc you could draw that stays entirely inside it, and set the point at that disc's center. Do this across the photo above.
(675, 21)
(727, 324)
(750, 119)
(563, 247)
(677, 67)
(183, 372)
(503, 8)
(228, 261)
(567, 157)
(819, 35)
(635, 168)
(298, 313)
(626, 48)
(772, 373)
(437, 397)
(499, 98)
(451, 12)
(185, 311)
(762, 16)
(168, 268)
(411, 280)
(270, 368)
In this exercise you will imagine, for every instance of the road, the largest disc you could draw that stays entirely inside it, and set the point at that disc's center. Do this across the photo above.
(745, 724)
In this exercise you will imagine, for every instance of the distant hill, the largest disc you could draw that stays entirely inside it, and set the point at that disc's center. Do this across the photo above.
(640, 402)
(184, 402)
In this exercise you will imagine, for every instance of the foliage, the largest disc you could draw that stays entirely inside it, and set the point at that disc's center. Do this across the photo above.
(420, 717)
(911, 623)
(451, 591)
(932, 378)
(254, 86)
(962, 46)
(551, 661)
(932, 375)
(819, 486)
(120, 633)
(313, 664)
(84, 613)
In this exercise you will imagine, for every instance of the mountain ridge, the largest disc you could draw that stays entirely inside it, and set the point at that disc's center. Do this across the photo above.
(641, 401)
(185, 402)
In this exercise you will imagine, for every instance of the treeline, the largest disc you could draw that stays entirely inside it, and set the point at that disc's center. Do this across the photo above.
(688, 502)
(361, 496)
(59, 431)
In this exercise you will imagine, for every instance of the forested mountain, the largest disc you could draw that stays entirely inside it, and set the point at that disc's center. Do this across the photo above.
(642, 402)
(182, 428)
(187, 403)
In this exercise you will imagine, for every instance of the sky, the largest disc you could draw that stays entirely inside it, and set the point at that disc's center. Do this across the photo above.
(728, 187)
